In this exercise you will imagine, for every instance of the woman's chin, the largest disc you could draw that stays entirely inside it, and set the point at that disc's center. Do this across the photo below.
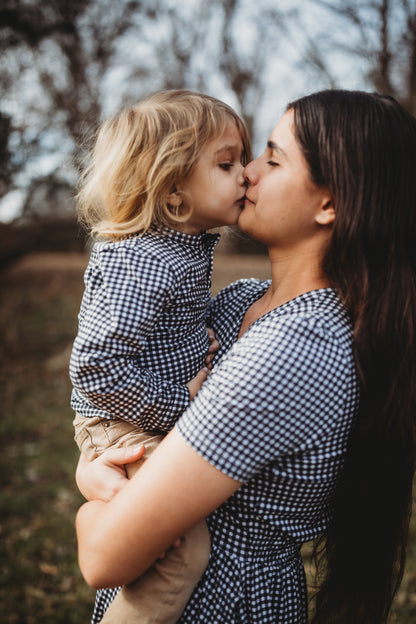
(244, 223)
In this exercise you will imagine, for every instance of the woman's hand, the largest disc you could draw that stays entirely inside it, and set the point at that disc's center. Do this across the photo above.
(105, 476)
(174, 490)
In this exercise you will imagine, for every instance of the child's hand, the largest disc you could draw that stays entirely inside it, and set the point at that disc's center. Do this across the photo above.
(195, 384)
(105, 476)
(213, 347)
(175, 544)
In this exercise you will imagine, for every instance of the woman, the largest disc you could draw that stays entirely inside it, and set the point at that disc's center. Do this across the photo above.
(323, 358)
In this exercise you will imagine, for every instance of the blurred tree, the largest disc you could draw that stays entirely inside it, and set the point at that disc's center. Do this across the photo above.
(46, 192)
(5, 155)
(59, 50)
(243, 63)
(67, 63)
(226, 43)
(382, 33)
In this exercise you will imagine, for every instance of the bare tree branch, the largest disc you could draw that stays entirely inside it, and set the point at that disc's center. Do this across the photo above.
(386, 34)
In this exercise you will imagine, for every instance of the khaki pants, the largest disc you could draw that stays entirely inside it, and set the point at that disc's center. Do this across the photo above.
(160, 595)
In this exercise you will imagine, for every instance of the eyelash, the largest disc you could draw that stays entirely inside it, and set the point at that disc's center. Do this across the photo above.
(272, 163)
(226, 166)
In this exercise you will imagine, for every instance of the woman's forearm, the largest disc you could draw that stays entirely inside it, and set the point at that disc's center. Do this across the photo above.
(87, 523)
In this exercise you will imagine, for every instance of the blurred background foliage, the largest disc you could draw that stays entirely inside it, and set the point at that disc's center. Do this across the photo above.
(67, 64)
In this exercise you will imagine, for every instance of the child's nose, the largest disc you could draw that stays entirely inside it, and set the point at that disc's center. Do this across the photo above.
(241, 179)
(249, 173)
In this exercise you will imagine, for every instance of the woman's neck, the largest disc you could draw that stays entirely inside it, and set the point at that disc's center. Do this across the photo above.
(295, 272)
(292, 275)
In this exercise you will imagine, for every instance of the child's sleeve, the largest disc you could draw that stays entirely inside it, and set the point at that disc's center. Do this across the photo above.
(118, 316)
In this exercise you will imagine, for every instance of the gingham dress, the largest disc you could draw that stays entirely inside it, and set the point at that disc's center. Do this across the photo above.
(275, 414)
(142, 329)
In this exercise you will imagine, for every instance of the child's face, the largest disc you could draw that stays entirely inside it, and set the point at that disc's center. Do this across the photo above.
(216, 186)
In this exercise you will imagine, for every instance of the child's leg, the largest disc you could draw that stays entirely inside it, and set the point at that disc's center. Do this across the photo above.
(160, 595)
(95, 435)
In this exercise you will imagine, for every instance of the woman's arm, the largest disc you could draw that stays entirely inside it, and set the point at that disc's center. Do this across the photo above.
(175, 489)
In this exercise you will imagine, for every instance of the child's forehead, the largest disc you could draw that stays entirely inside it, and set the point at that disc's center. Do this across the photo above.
(230, 137)
(227, 148)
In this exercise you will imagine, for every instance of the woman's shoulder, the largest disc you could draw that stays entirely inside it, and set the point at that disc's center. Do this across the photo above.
(321, 309)
(317, 319)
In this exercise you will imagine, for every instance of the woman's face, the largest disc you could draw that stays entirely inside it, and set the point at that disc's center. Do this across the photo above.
(283, 207)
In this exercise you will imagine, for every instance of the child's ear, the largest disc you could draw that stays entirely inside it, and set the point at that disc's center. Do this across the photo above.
(174, 199)
(326, 213)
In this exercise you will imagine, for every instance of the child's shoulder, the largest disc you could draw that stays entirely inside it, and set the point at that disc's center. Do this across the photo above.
(243, 288)
(142, 255)
(239, 293)
(140, 245)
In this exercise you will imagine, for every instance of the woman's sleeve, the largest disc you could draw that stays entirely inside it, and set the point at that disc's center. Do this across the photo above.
(280, 389)
(114, 331)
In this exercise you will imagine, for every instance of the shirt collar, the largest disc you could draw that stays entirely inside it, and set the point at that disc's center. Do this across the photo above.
(205, 239)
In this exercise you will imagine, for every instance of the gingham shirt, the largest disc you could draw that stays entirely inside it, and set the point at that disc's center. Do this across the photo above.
(142, 327)
(275, 414)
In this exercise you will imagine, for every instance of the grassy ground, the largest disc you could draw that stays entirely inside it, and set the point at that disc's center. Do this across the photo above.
(39, 577)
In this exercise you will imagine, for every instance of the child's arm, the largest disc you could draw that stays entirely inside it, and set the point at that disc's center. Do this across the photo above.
(196, 383)
(114, 329)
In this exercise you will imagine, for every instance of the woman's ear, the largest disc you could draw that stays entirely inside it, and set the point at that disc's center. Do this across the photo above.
(326, 212)
(174, 199)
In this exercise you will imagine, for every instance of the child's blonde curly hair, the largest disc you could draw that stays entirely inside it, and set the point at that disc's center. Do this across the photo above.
(145, 153)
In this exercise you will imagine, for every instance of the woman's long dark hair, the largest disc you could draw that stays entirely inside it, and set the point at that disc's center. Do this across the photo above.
(363, 148)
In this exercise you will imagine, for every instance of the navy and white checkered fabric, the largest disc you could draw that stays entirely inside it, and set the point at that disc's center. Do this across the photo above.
(142, 328)
(275, 414)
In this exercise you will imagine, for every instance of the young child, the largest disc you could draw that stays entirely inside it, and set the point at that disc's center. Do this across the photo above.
(161, 174)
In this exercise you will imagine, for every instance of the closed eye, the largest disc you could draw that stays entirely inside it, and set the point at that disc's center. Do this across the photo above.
(226, 166)
(273, 164)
